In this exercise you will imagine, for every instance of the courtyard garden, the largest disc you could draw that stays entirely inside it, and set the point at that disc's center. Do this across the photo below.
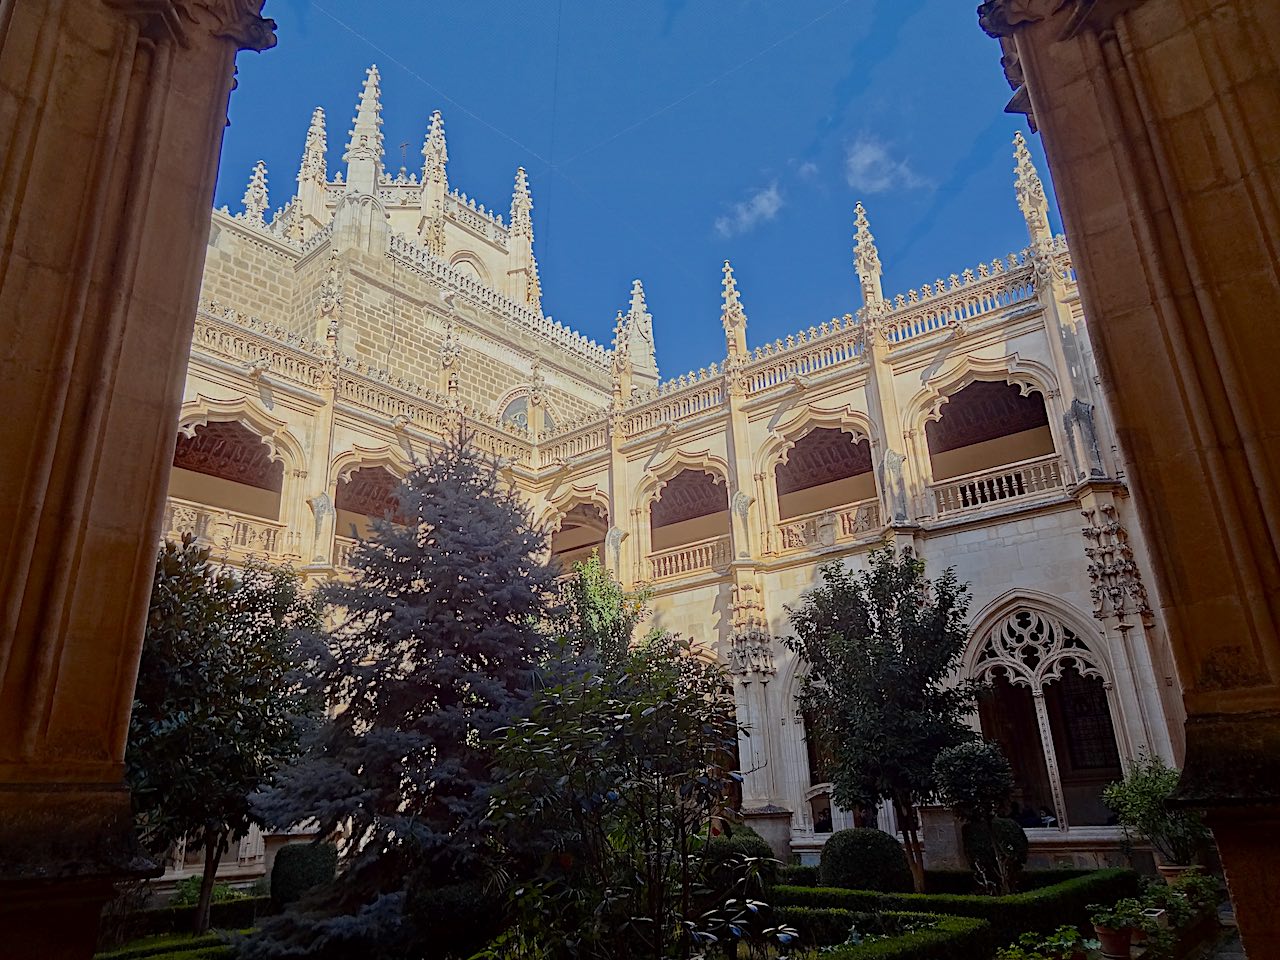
(501, 760)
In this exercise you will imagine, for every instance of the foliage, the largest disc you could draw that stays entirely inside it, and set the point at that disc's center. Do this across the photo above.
(611, 786)
(735, 844)
(456, 919)
(866, 859)
(299, 867)
(436, 652)
(1063, 944)
(228, 915)
(974, 780)
(219, 700)
(120, 921)
(595, 617)
(890, 935)
(1039, 910)
(1140, 801)
(997, 851)
(1124, 913)
(798, 875)
(187, 893)
(882, 647)
(1184, 899)
(162, 946)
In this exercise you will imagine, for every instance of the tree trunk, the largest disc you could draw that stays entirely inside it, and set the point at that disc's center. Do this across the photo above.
(212, 854)
(911, 841)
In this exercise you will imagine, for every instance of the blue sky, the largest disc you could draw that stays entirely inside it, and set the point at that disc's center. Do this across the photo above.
(663, 137)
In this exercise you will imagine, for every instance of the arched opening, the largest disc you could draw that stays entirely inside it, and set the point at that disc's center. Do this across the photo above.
(991, 443)
(581, 531)
(366, 494)
(689, 525)
(516, 413)
(225, 489)
(826, 490)
(1048, 708)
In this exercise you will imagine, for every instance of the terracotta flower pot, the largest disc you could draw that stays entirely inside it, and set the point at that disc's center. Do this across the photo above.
(1115, 943)
(1172, 871)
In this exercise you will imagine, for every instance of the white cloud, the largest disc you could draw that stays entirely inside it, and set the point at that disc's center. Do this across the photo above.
(870, 167)
(807, 169)
(760, 207)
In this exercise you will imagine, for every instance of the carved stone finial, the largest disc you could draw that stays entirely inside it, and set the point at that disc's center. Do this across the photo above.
(363, 156)
(331, 288)
(435, 153)
(256, 200)
(521, 207)
(537, 384)
(314, 167)
(732, 314)
(866, 258)
(1030, 191)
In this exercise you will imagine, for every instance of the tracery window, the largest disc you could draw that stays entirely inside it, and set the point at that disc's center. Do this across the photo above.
(1049, 708)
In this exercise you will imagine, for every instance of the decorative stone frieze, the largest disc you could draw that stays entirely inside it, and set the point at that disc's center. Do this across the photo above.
(1117, 589)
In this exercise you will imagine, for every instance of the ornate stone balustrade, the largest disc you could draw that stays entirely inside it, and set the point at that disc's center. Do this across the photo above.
(960, 299)
(1017, 481)
(690, 396)
(710, 554)
(827, 528)
(416, 257)
(237, 533)
(837, 341)
(247, 341)
(572, 446)
(342, 549)
(487, 223)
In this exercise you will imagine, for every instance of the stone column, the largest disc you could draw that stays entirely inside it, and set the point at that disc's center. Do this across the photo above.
(113, 113)
(1159, 120)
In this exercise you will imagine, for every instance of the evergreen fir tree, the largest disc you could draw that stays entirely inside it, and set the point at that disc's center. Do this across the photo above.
(436, 651)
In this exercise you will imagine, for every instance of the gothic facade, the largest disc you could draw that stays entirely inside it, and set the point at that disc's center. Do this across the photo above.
(340, 336)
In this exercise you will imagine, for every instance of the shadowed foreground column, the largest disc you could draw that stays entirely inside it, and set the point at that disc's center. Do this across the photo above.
(1161, 122)
(111, 120)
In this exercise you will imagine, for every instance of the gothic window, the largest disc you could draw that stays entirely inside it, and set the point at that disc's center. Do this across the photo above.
(369, 493)
(693, 506)
(517, 412)
(226, 465)
(1048, 707)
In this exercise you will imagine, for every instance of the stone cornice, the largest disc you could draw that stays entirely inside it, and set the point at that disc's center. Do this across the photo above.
(239, 21)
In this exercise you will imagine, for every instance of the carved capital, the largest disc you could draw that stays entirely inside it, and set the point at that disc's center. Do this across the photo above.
(239, 21)
(999, 17)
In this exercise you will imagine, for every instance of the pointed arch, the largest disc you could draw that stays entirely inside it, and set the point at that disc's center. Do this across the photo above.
(1064, 635)
(556, 509)
(787, 432)
(389, 455)
(661, 473)
(1029, 376)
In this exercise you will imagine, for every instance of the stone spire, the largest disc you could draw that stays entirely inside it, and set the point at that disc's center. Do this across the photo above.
(312, 173)
(523, 270)
(634, 334)
(435, 184)
(732, 315)
(521, 207)
(364, 150)
(1030, 191)
(866, 258)
(256, 200)
(620, 364)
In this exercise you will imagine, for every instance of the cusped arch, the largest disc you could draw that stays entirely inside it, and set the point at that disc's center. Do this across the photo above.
(1029, 376)
(251, 415)
(389, 456)
(785, 435)
(1029, 637)
(661, 473)
(553, 514)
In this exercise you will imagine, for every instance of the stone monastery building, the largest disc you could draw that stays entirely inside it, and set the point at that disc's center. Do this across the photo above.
(340, 335)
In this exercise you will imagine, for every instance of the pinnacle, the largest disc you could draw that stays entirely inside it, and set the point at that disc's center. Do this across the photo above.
(732, 308)
(521, 205)
(366, 130)
(313, 152)
(638, 306)
(256, 199)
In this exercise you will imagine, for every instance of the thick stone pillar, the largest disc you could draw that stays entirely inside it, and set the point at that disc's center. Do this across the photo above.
(1160, 124)
(112, 112)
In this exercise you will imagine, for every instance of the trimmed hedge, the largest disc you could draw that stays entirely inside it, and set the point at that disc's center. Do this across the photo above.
(1042, 910)
(742, 842)
(867, 858)
(798, 875)
(300, 866)
(207, 946)
(961, 881)
(949, 937)
(228, 915)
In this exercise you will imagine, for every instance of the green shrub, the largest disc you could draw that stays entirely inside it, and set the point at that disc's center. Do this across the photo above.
(457, 919)
(798, 875)
(1041, 910)
(974, 780)
(997, 852)
(962, 881)
(300, 866)
(1139, 801)
(742, 842)
(865, 859)
(209, 946)
(187, 893)
(945, 937)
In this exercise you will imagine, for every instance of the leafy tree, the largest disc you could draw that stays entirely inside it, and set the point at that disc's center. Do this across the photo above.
(882, 648)
(1140, 801)
(610, 789)
(436, 650)
(219, 705)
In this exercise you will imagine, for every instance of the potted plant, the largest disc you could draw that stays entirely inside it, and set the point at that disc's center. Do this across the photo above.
(1140, 801)
(1115, 925)
(1065, 943)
